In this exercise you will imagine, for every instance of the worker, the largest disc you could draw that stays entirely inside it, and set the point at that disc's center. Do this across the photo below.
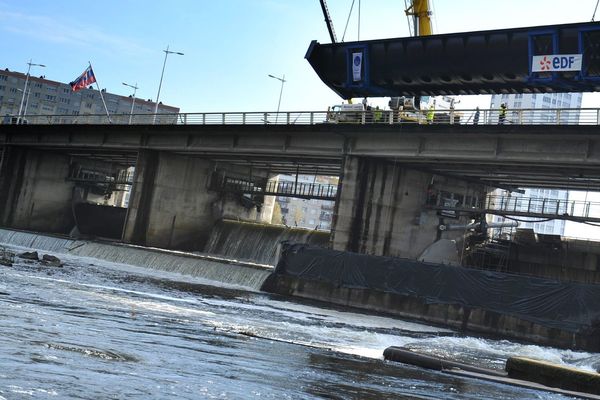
(377, 114)
(502, 115)
(476, 117)
(364, 103)
(430, 114)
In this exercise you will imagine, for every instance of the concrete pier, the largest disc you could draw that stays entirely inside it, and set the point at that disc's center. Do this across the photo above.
(381, 208)
(171, 205)
(34, 192)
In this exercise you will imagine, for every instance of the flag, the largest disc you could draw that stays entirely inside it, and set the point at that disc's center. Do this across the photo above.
(85, 79)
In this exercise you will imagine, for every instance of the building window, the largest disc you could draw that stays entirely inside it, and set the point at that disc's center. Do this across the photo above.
(13, 90)
(50, 97)
(2, 87)
(3, 78)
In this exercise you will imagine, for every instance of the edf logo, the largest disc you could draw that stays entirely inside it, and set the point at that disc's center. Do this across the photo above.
(563, 62)
(556, 62)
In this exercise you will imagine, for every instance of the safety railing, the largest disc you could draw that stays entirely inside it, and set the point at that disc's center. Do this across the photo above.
(282, 188)
(535, 207)
(558, 116)
(543, 207)
(91, 176)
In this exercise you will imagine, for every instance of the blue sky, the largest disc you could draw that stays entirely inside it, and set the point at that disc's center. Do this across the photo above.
(230, 46)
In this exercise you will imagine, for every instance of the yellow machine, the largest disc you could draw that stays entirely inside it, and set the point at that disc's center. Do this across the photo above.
(421, 13)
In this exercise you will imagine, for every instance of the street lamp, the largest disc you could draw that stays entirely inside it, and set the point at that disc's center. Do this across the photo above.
(134, 87)
(27, 101)
(282, 79)
(167, 52)
(30, 64)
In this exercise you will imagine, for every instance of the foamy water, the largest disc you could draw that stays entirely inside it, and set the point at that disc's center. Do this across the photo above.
(98, 329)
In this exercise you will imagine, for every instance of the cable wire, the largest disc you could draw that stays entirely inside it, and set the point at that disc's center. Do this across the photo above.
(410, 29)
(359, 20)
(348, 20)
(595, 9)
(434, 15)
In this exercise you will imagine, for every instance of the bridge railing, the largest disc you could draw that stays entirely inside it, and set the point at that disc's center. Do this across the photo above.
(282, 188)
(544, 207)
(555, 116)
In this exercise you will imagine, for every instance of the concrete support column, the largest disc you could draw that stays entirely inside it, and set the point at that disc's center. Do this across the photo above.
(34, 191)
(11, 179)
(140, 198)
(170, 204)
(381, 208)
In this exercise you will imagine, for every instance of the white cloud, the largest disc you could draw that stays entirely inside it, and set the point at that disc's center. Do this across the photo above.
(49, 29)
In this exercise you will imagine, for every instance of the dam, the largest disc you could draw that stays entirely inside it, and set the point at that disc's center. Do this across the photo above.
(161, 225)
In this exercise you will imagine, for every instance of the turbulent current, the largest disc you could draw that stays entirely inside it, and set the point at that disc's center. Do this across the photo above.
(102, 330)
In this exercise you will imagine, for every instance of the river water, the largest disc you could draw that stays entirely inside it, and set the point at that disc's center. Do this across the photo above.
(99, 330)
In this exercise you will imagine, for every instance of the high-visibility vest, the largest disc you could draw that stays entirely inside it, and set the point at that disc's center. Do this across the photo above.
(430, 114)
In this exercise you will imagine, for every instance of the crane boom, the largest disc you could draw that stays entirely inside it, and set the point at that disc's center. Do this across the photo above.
(328, 21)
(419, 10)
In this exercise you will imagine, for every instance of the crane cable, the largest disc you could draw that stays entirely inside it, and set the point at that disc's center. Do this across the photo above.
(410, 30)
(359, 20)
(348, 20)
(434, 18)
(595, 9)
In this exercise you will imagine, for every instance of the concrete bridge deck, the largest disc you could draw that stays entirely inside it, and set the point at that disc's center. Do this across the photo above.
(557, 156)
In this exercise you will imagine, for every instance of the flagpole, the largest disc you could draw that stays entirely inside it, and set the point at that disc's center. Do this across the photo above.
(101, 96)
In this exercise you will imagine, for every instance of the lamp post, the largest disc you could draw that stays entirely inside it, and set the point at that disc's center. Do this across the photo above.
(282, 80)
(27, 101)
(167, 52)
(30, 64)
(135, 88)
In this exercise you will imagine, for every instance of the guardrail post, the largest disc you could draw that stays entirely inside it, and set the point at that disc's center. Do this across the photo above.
(391, 117)
(287, 120)
(265, 118)
(223, 118)
(598, 117)
(243, 118)
(203, 119)
(520, 117)
(557, 117)
(312, 117)
(544, 206)
(364, 117)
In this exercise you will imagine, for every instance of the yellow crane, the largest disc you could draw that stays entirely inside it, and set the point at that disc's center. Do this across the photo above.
(421, 13)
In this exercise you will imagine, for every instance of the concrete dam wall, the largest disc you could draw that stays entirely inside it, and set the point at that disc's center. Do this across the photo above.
(539, 310)
(200, 266)
(257, 242)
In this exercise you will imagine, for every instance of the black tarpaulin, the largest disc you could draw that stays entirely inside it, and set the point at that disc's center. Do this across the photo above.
(564, 305)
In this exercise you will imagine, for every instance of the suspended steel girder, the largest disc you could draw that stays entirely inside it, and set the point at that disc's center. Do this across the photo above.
(484, 62)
